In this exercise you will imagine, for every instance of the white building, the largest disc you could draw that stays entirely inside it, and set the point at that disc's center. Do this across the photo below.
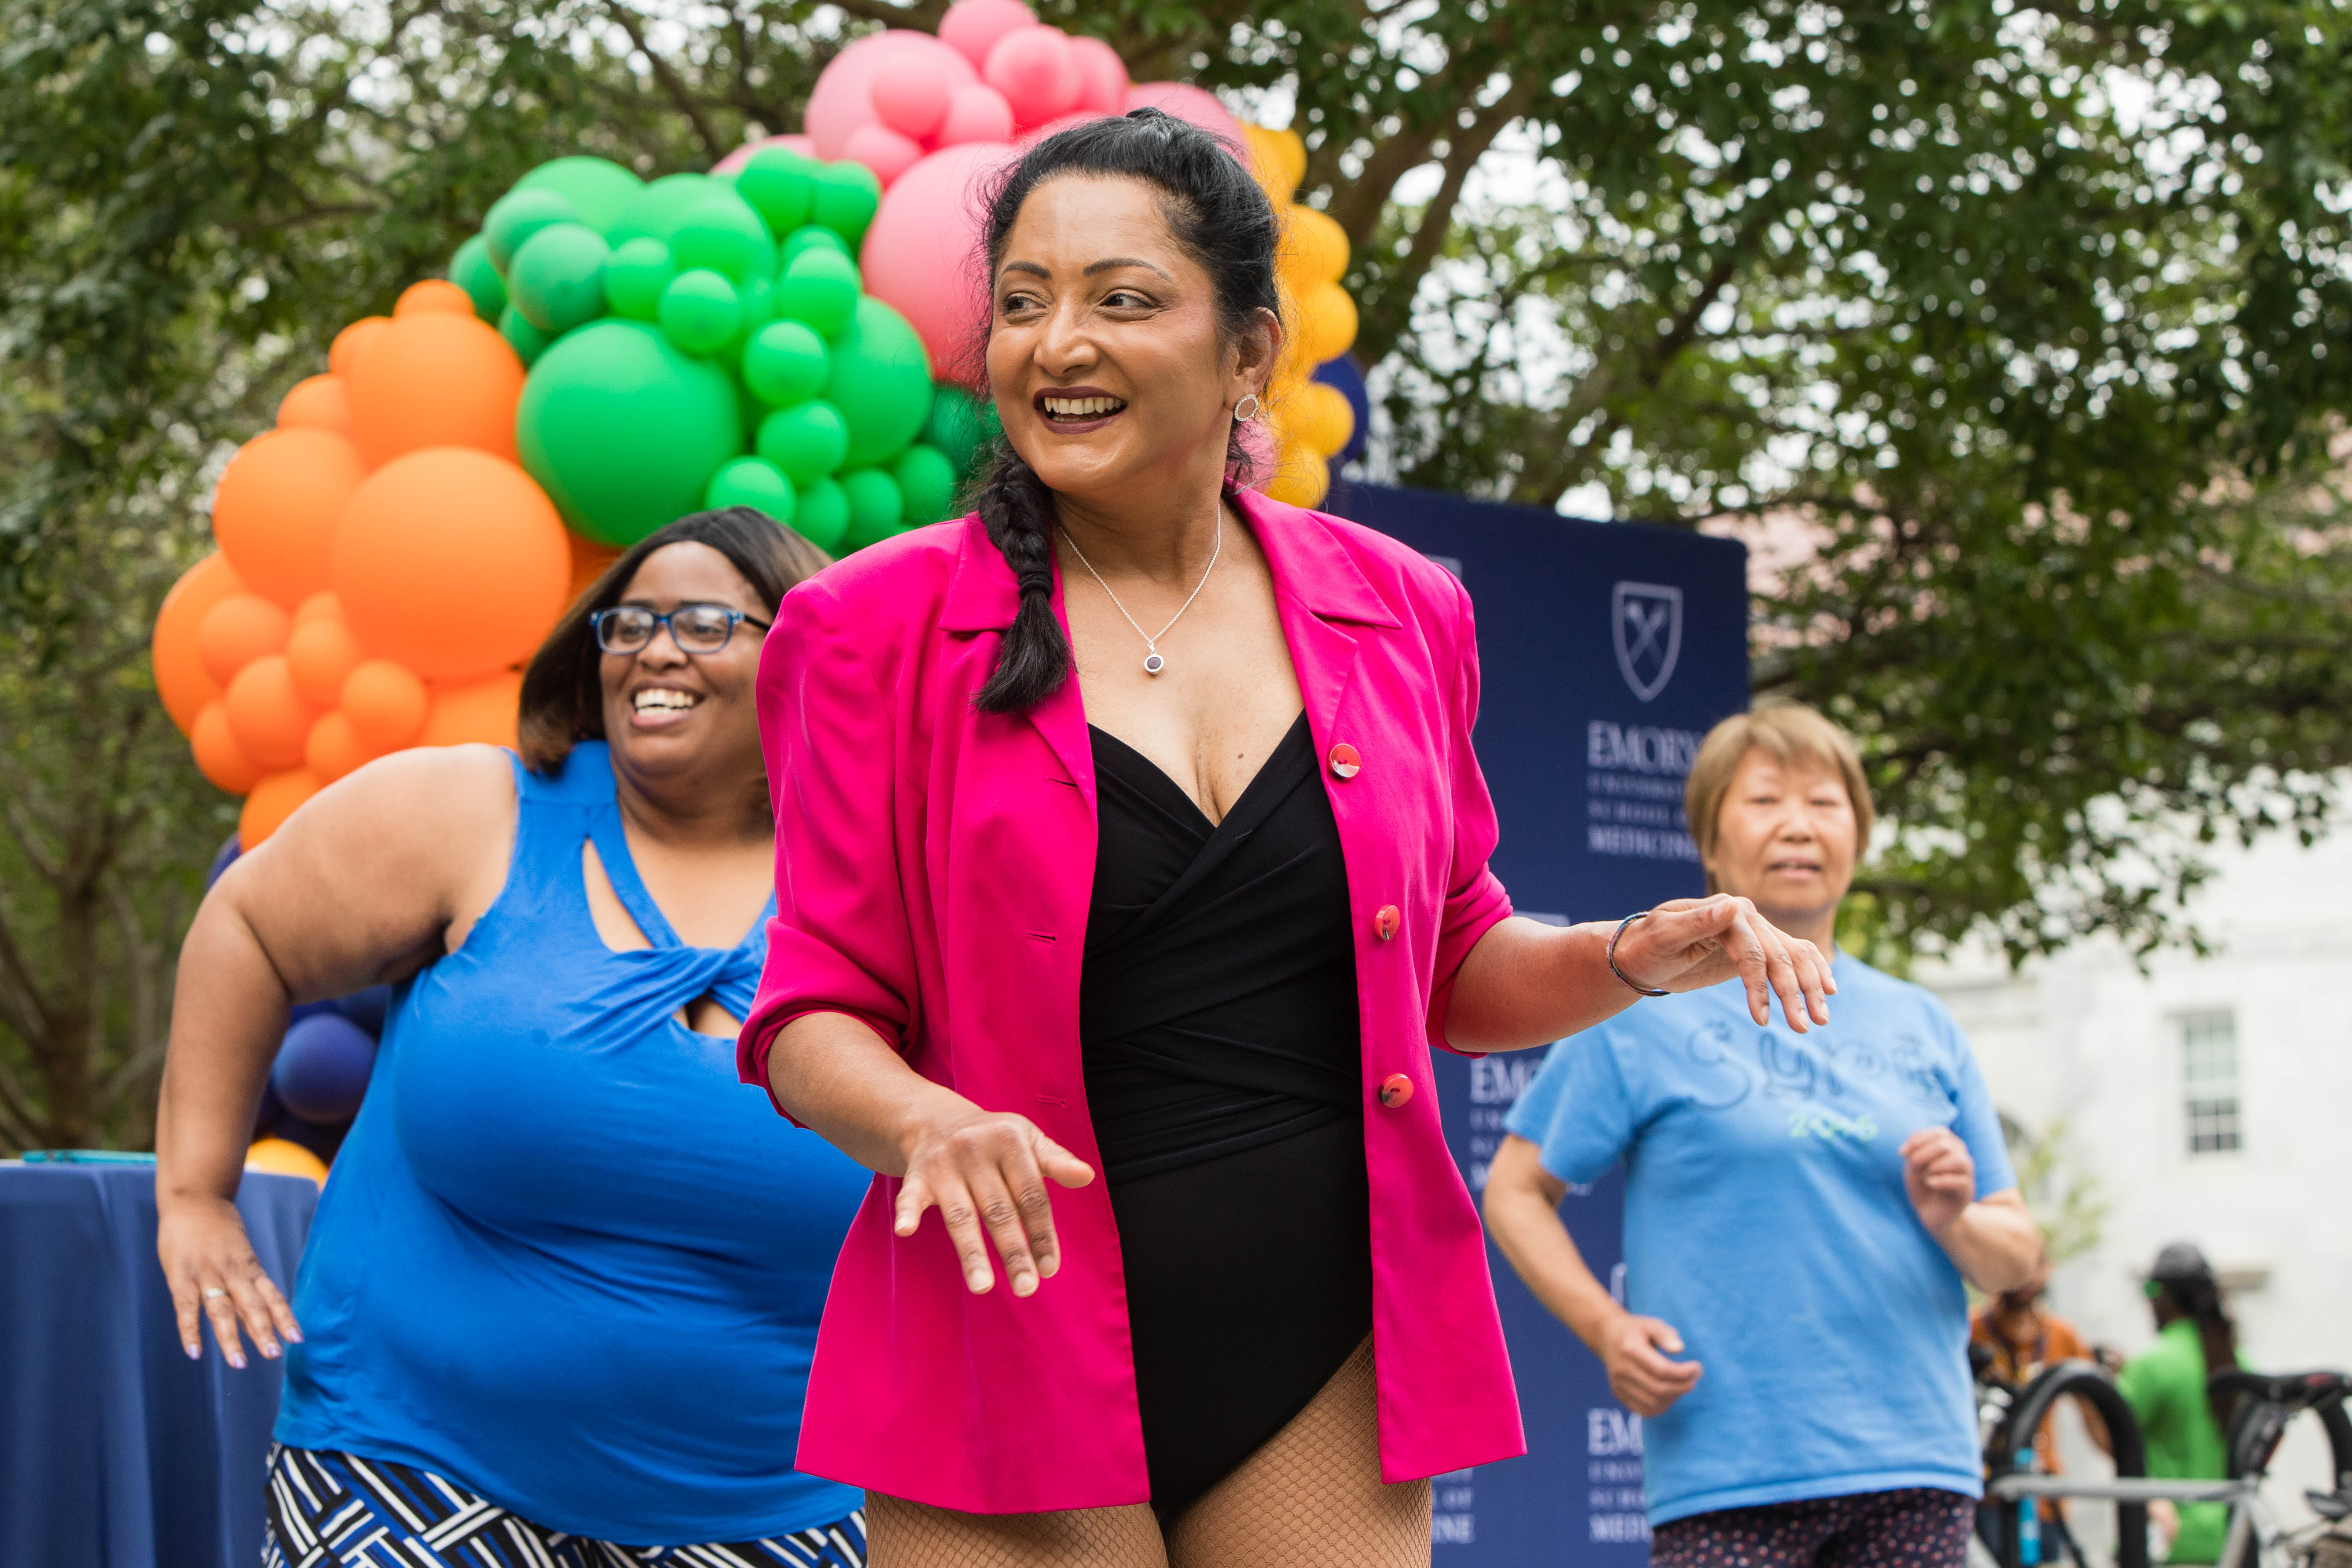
(2208, 1100)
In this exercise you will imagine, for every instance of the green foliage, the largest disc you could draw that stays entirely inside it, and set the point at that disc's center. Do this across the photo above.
(2068, 1204)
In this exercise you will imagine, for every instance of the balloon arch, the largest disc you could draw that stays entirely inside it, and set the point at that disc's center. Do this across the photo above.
(786, 332)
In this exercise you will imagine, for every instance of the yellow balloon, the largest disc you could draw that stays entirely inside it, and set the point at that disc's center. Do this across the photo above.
(1314, 249)
(284, 1157)
(1320, 418)
(1279, 158)
(1326, 322)
(1301, 478)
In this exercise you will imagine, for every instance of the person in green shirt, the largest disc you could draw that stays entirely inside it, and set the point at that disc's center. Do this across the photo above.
(2165, 1386)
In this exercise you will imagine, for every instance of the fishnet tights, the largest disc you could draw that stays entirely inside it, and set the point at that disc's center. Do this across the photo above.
(1312, 1498)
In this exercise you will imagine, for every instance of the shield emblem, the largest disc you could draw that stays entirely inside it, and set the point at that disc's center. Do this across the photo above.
(1646, 622)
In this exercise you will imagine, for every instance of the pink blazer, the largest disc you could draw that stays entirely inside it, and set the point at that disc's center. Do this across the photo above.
(934, 867)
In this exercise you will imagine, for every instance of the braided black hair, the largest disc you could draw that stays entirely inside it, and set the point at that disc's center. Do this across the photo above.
(1222, 221)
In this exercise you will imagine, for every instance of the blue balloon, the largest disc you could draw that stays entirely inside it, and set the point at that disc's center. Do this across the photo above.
(366, 1008)
(222, 862)
(322, 1068)
(1347, 374)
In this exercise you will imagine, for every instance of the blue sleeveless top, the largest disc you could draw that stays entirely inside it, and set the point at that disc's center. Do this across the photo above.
(565, 1259)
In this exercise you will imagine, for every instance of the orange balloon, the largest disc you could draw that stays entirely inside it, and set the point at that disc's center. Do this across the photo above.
(344, 356)
(182, 681)
(1303, 479)
(218, 756)
(320, 604)
(433, 379)
(479, 711)
(273, 800)
(589, 560)
(386, 705)
(433, 294)
(268, 714)
(333, 748)
(317, 403)
(321, 656)
(236, 631)
(451, 561)
(284, 1157)
(275, 512)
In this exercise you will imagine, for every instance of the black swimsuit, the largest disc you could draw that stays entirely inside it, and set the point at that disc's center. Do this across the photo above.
(1217, 1009)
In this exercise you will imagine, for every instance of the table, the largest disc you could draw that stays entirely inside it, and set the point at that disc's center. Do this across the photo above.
(117, 1452)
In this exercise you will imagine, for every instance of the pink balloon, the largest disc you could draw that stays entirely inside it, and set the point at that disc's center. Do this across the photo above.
(843, 99)
(911, 95)
(883, 151)
(922, 252)
(1080, 117)
(972, 27)
(742, 155)
(975, 113)
(1186, 102)
(1036, 72)
(1103, 73)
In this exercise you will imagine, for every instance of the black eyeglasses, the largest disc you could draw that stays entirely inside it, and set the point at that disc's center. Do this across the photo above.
(696, 629)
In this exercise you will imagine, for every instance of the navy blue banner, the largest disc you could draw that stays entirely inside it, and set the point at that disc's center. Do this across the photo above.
(1607, 652)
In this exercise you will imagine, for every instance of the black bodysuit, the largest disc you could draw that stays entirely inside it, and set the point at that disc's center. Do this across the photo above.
(1218, 1014)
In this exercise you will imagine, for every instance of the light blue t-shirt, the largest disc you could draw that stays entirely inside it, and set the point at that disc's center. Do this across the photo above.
(1765, 1220)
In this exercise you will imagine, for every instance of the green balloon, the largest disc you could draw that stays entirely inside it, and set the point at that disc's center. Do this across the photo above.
(822, 514)
(758, 298)
(725, 235)
(635, 277)
(622, 430)
(754, 482)
(877, 510)
(598, 188)
(847, 195)
(785, 362)
(657, 210)
(558, 277)
(927, 480)
(959, 425)
(806, 441)
(881, 382)
(780, 185)
(800, 239)
(700, 311)
(471, 270)
(527, 341)
(820, 289)
(516, 216)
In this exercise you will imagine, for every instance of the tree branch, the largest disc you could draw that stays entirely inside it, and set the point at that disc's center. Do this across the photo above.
(673, 86)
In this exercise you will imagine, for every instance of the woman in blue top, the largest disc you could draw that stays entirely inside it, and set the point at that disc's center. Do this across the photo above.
(560, 1298)
(1799, 1211)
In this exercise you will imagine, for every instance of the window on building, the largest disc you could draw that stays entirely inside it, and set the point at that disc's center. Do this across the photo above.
(2208, 1078)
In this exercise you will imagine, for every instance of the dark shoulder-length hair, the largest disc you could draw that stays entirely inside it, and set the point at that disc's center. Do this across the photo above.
(563, 689)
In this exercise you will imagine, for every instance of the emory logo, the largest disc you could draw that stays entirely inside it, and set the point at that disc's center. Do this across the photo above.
(1646, 622)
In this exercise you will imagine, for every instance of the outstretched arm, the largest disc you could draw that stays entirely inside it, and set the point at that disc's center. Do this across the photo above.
(424, 834)
(1526, 984)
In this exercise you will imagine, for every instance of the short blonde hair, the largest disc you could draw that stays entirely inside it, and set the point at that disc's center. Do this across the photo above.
(1788, 733)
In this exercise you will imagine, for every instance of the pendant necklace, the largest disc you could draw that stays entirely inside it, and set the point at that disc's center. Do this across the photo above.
(1152, 661)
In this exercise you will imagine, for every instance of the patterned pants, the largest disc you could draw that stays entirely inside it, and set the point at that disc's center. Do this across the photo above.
(338, 1511)
(1915, 1527)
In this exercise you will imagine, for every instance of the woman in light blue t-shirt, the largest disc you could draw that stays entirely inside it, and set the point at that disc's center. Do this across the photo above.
(1799, 1210)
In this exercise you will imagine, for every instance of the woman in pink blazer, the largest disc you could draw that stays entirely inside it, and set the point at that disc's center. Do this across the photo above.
(1190, 921)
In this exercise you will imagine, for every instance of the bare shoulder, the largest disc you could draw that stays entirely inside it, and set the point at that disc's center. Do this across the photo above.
(448, 806)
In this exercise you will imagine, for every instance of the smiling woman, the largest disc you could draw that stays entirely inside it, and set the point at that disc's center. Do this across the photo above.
(573, 934)
(1131, 827)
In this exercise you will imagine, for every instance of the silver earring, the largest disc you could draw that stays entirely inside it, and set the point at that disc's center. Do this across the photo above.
(1242, 418)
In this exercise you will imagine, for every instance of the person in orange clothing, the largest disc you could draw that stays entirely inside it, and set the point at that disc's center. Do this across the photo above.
(2025, 1338)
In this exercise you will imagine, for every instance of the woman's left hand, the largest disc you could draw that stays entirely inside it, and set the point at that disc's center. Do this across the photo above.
(1688, 944)
(1940, 1176)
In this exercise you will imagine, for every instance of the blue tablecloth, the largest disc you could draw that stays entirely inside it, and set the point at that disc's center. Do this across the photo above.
(117, 1452)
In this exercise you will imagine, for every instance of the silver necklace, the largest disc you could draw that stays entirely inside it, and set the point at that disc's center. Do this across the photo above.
(1152, 661)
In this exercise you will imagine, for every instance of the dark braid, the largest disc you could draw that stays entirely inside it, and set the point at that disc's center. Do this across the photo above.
(1221, 218)
(1034, 659)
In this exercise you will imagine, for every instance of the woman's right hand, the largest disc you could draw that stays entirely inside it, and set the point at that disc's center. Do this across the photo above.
(987, 1171)
(210, 1266)
(1643, 1381)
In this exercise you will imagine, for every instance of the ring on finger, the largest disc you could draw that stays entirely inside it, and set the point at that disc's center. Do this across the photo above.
(213, 1291)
